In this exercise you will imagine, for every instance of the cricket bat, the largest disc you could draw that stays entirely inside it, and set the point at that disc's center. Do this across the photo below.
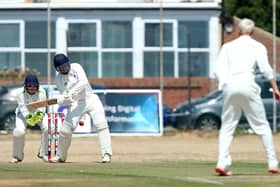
(43, 103)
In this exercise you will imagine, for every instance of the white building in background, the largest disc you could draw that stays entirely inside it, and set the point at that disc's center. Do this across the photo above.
(113, 38)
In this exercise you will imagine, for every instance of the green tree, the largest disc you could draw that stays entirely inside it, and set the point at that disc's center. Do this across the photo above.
(258, 10)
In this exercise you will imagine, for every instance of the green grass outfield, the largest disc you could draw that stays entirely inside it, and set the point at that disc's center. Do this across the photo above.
(170, 174)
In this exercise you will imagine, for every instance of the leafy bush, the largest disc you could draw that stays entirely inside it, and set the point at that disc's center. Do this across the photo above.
(17, 72)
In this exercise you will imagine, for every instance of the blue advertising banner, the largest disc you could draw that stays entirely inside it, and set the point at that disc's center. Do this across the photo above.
(133, 111)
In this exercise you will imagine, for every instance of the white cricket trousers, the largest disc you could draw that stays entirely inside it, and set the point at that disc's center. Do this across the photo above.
(94, 107)
(244, 96)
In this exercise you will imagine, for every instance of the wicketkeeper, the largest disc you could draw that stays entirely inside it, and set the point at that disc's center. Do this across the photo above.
(31, 92)
(76, 92)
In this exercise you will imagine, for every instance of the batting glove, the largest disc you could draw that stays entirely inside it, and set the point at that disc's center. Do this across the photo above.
(64, 100)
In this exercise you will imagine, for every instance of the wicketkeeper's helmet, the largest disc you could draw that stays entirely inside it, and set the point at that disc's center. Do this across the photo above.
(31, 80)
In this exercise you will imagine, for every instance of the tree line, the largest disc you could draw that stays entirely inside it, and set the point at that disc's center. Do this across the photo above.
(258, 10)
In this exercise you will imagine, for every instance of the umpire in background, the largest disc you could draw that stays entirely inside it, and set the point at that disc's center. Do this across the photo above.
(235, 73)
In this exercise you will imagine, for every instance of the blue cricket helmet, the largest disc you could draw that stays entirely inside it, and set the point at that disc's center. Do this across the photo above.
(60, 60)
(31, 80)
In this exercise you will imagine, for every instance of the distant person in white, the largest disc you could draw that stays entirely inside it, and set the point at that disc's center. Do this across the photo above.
(235, 73)
(76, 92)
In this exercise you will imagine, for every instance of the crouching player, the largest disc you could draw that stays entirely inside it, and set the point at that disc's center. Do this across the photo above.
(31, 92)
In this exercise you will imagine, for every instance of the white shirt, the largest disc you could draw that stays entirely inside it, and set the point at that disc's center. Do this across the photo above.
(24, 98)
(75, 84)
(239, 58)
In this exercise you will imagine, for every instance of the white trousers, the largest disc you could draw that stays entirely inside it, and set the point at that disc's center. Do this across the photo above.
(19, 137)
(241, 96)
(92, 106)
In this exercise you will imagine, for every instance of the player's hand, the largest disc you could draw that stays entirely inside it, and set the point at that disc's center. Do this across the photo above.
(39, 113)
(64, 100)
(68, 99)
(38, 116)
(29, 118)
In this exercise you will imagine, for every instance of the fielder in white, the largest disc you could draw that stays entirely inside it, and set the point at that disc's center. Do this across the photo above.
(235, 73)
(76, 92)
(30, 93)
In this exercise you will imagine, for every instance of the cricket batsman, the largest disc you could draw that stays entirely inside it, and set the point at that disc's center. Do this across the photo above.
(30, 93)
(76, 92)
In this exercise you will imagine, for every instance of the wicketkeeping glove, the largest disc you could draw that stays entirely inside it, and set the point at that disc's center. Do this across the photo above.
(29, 120)
(38, 116)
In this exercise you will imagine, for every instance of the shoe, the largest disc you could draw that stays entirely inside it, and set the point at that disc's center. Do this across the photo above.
(56, 160)
(39, 156)
(15, 160)
(273, 171)
(223, 172)
(106, 158)
(43, 158)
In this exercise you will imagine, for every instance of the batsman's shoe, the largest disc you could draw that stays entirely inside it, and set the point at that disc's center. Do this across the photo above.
(106, 158)
(223, 172)
(43, 158)
(273, 171)
(39, 155)
(15, 160)
(56, 159)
